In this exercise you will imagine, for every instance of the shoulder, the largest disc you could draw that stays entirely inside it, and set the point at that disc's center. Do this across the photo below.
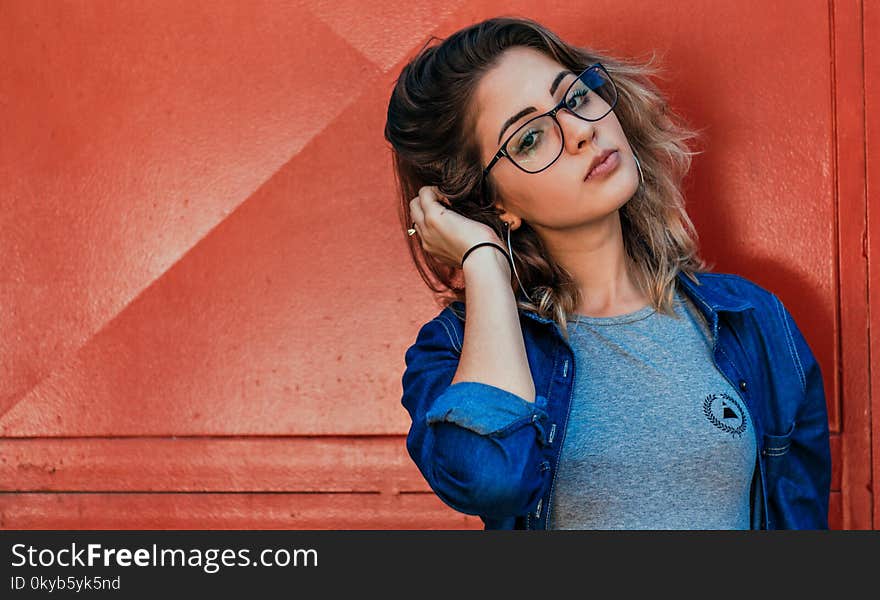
(779, 330)
(733, 283)
(445, 329)
(733, 287)
(452, 320)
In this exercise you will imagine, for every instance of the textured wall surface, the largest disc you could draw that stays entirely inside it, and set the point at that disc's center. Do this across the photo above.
(206, 294)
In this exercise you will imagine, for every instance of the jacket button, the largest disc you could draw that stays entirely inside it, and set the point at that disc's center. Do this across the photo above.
(742, 384)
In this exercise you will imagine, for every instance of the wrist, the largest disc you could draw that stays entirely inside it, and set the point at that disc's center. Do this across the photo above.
(482, 255)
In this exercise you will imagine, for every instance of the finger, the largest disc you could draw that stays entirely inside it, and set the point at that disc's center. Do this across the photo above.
(415, 212)
(430, 205)
(441, 198)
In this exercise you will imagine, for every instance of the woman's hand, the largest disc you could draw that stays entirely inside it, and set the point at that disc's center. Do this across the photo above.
(444, 233)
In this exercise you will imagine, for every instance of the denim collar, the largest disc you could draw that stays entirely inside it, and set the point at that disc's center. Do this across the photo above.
(715, 297)
(710, 299)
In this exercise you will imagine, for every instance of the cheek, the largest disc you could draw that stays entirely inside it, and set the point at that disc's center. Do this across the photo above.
(548, 203)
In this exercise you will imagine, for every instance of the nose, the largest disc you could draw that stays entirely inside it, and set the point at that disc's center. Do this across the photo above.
(577, 132)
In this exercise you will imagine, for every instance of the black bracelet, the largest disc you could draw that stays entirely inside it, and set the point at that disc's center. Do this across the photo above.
(474, 247)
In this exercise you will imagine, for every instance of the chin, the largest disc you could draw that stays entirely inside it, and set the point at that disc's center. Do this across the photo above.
(618, 192)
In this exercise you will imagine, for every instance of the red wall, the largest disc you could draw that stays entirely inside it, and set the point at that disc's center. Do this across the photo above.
(198, 211)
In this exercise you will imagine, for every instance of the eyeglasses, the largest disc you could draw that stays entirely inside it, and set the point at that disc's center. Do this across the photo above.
(537, 143)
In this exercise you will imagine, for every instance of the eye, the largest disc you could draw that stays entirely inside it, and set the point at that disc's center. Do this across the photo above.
(582, 92)
(528, 140)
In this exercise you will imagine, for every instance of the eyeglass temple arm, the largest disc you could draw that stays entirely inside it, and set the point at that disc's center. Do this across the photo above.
(495, 159)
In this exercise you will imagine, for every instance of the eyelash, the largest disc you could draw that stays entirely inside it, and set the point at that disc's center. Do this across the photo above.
(580, 93)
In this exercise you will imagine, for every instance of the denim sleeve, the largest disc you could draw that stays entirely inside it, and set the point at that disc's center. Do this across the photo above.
(807, 486)
(477, 445)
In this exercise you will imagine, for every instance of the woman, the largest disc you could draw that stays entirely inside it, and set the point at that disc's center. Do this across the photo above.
(587, 371)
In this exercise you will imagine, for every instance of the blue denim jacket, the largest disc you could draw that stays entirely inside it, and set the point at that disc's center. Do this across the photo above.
(488, 452)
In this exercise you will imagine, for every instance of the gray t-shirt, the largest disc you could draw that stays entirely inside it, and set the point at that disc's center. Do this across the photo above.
(657, 437)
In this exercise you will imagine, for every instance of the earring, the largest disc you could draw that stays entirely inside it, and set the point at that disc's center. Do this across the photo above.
(512, 262)
(638, 166)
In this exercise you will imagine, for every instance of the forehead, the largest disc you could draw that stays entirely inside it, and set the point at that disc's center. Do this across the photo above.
(521, 78)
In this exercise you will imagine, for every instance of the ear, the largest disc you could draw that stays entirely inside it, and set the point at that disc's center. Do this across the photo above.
(508, 217)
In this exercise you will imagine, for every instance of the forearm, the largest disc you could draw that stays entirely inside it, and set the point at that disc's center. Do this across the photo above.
(493, 350)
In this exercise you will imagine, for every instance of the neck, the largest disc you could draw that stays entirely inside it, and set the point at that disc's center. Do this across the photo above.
(595, 256)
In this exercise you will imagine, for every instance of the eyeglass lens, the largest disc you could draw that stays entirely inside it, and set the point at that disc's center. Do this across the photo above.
(539, 142)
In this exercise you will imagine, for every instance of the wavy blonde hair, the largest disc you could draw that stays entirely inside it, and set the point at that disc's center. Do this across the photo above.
(430, 126)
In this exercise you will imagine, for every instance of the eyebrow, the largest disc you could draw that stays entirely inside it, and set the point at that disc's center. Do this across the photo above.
(529, 109)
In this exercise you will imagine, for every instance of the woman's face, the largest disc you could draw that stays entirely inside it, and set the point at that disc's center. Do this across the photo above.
(557, 197)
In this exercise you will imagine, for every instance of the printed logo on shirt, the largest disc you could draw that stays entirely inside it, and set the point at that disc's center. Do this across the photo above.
(725, 413)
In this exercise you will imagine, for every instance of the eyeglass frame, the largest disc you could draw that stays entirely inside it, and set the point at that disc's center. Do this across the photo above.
(502, 151)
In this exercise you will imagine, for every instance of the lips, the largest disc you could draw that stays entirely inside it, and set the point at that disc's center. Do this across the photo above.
(597, 160)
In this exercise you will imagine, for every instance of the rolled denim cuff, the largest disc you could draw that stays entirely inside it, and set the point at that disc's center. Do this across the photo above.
(488, 410)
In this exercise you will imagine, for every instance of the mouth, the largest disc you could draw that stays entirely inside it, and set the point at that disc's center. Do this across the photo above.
(603, 164)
